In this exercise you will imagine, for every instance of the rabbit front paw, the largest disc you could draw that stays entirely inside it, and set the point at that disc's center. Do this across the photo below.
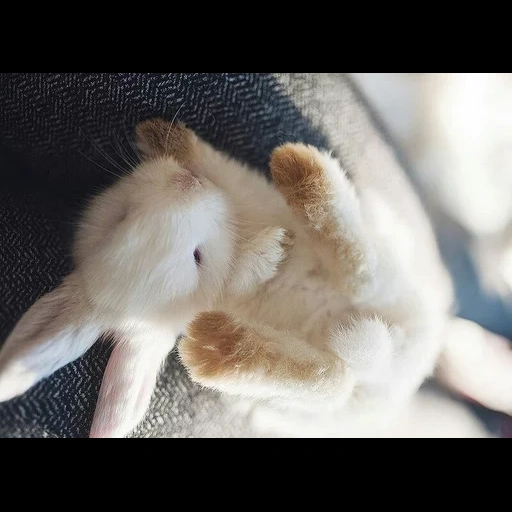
(261, 259)
(272, 247)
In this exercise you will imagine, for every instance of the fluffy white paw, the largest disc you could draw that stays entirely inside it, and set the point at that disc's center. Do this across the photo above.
(262, 258)
(367, 348)
(273, 246)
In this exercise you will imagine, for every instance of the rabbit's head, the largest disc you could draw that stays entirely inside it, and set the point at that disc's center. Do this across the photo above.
(151, 252)
(159, 241)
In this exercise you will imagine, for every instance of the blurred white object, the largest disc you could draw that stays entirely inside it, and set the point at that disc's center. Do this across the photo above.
(466, 131)
(432, 415)
(429, 414)
(478, 364)
(457, 131)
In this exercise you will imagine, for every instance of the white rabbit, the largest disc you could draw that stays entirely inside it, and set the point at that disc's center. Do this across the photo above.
(347, 320)
(355, 320)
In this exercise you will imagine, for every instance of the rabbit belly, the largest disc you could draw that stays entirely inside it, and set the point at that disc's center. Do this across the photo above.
(299, 301)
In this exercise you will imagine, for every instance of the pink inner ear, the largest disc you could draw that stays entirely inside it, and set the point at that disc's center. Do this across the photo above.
(127, 388)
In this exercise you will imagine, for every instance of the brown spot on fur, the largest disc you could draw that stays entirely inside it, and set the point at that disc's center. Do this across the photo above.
(158, 138)
(219, 346)
(300, 176)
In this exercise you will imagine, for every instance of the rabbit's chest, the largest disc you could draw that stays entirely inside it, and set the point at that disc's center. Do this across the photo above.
(300, 302)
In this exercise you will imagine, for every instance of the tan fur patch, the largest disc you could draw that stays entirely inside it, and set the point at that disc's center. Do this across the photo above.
(158, 138)
(219, 346)
(299, 174)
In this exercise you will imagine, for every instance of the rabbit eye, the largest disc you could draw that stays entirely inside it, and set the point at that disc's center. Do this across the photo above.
(198, 257)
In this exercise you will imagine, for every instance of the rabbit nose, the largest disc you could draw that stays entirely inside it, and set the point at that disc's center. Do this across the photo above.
(186, 181)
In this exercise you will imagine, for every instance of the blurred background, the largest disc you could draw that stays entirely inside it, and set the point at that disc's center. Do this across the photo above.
(455, 134)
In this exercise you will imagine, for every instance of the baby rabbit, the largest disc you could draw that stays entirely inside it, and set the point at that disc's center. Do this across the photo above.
(305, 293)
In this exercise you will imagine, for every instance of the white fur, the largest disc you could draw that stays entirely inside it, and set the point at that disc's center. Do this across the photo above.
(251, 267)
(142, 262)
(427, 415)
(388, 360)
(434, 416)
(136, 277)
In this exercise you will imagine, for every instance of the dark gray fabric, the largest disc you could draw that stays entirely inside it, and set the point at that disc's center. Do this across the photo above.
(66, 135)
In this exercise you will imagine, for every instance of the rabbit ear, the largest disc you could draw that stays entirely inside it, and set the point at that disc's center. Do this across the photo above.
(478, 365)
(128, 383)
(57, 330)
(158, 138)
